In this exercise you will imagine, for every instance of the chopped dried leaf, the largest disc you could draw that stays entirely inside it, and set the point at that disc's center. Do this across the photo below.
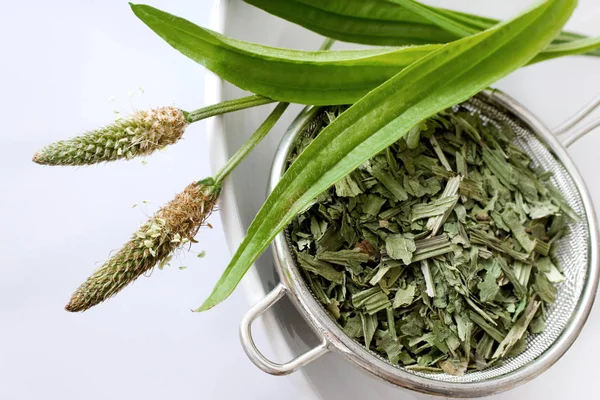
(542, 209)
(544, 288)
(369, 324)
(354, 327)
(371, 300)
(436, 253)
(391, 183)
(454, 367)
(347, 187)
(400, 247)
(545, 265)
(514, 224)
(517, 331)
(488, 288)
(390, 345)
(435, 208)
(404, 297)
(346, 258)
(320, 268)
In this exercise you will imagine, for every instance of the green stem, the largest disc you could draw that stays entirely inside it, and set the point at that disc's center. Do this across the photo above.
(327, 44)
(227, 106)
(260, 133)
(251, 143)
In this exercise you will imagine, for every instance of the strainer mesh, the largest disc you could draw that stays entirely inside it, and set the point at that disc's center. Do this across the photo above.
(571, 253)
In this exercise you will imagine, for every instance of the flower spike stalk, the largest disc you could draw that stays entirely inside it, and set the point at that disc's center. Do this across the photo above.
(170, 228)
(141, 134)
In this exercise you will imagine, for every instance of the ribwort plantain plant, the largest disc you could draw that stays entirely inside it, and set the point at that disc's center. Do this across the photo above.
(389, 90)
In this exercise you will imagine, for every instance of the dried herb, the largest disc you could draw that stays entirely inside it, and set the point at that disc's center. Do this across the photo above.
(422, 272)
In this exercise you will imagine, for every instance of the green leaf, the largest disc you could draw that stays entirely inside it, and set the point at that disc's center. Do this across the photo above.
(320, 267)
(359, 21)
(488, 288)
(579, 46)
(380, 22)
(441, 20)
(347, 187)
(252, 142)
(400, 247)
(306, 77)
(512, 221)
(434, 208)
(446, 77)
(369, 325)
(404, 297)
(517, 331)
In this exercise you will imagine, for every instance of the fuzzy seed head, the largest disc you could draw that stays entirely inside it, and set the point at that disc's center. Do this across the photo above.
(141, 134)
(170, 228)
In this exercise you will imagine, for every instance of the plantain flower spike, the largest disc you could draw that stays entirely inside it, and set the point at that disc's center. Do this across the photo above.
(171, 227)
(140, 134)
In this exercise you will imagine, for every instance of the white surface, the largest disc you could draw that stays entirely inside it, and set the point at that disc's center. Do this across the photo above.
(61, 61)
(553, 90)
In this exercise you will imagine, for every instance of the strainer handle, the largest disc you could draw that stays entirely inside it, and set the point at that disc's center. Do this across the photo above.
(256, 356)
(568, 133)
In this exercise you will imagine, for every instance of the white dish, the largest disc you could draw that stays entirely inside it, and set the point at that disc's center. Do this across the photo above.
(537, 87)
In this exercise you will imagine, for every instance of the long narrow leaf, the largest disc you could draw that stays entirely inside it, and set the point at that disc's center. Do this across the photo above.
(439, 19)
(368, 22)
(445, 77)
(380, 22)
(306, 77)
(316, 78)
(575, 47)
(460, 25)
(569, 44)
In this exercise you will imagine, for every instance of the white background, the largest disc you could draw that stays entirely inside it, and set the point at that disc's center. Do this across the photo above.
(61, 61)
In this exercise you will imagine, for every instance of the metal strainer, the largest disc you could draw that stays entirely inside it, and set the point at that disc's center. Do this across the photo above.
(577, 254)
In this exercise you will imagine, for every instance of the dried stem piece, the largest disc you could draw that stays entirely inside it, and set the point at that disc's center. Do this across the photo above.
(172, 226)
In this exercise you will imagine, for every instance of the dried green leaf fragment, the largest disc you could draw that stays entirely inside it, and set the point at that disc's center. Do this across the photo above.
(438, 268)
(319, 267)
(404, 297)
(434, 208)
(517, 331)
(400, 247)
